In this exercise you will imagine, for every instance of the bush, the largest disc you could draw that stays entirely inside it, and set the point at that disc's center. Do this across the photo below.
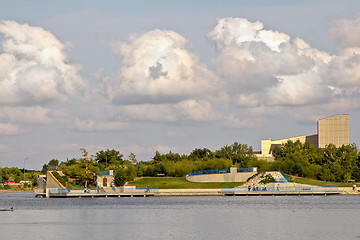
(267, 179)
(61, 179)
(7, 187)
(123, 174)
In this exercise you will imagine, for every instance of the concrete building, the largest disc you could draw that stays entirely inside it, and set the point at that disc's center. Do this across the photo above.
(334, 130)
(330, 130)
(105, 179)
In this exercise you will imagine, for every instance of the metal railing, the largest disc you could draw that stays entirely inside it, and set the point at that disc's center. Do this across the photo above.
(105, 173)
(260, 188)
(282, 179)
(57, 190)
(285, 179)
(101, 190)
(240, 170)
(217, 171)
(136, 190)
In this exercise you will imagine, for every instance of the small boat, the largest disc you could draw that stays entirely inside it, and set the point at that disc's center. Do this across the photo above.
(7, 210)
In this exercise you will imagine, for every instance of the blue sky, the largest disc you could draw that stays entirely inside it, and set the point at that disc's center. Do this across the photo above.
(141, 76)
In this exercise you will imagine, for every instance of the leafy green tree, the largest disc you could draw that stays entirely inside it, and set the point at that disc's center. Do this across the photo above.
(124, 174)
(201, 153)
(52, 165)
(109, 157)
(329, 164)
(239, 154)
(132, 158)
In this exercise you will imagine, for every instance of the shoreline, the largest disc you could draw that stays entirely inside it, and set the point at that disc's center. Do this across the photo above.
(15, 191)
(190, 192)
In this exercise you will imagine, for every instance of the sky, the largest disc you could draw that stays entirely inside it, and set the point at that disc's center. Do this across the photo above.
(143, 76)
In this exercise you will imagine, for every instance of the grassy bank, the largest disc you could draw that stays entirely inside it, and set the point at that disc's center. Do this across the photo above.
(321, 183)
(177, 183)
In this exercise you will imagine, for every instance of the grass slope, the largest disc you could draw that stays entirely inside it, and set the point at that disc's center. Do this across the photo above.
(178, 183)
(320, 183)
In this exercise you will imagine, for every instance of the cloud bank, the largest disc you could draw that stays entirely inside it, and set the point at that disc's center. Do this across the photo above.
(267, 68)
(157, 67)
(34, 66)
(259, 72)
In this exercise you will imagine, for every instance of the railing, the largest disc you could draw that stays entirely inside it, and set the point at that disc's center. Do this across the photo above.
(282, 179)
(217, 171)
(136, 190)
(57, 190)
(101, 190)
(285, 179)
(85, 190)
(105, 173)
(259, 188)
(240, 170)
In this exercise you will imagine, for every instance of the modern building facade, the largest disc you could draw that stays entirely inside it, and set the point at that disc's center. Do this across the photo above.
(330, 130)
(334, 130)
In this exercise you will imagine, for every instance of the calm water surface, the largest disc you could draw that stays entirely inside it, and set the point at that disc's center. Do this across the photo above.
(270, 218)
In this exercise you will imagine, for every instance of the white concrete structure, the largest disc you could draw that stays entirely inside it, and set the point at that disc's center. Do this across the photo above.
(232, 176)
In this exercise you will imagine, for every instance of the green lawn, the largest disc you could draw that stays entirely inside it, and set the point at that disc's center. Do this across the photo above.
(178, 183)
(321, 183)
(182, 183)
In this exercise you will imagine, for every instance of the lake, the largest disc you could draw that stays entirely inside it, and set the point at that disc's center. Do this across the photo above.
(270, 218)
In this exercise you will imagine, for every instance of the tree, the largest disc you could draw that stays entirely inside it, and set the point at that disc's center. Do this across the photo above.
(109, 157)
(52, 165)
(201, 153)
(329, 164)
(124, 174)
(239, 154)
(132, 158)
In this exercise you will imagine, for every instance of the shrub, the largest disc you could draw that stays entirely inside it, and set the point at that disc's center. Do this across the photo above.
(267, 179)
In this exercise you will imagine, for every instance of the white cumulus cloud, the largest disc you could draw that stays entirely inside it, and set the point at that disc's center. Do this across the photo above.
(34, 66)
(22, 114)
(159, 68)
(267, 67)
(346, 32)
(198, 111)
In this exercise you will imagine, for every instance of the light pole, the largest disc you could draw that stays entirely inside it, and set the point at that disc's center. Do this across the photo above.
(24, 166)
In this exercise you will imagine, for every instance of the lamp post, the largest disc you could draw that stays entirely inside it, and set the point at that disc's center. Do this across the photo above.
(24, 166)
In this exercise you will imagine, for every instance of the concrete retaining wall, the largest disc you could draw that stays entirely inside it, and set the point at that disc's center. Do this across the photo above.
(233, 176)
(52, 182)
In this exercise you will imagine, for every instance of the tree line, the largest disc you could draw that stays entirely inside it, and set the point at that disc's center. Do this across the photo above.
(294, 158)
(336, 164)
